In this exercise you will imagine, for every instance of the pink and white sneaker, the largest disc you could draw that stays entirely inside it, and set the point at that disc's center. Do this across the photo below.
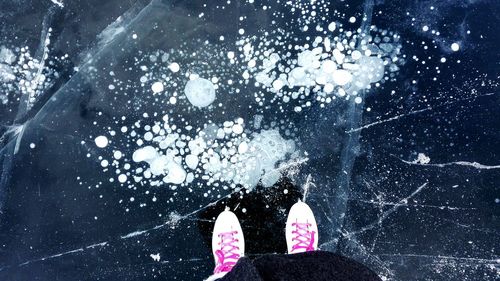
(228, 243)
(301, 229)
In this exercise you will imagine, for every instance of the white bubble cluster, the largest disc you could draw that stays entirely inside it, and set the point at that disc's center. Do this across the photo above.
(173, 156)
(22, 74)
(332, 66)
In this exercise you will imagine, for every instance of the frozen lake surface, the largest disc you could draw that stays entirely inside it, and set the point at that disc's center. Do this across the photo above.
(127, 126)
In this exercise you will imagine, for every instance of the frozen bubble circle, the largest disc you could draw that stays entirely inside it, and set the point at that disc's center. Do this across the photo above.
(200, 92)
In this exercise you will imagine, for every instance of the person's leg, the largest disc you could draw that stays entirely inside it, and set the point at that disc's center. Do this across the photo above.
(304, 261)
(312, 265)
(228, 243)
(244, 270)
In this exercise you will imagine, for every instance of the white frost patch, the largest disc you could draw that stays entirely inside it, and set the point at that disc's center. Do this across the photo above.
(455, 47)
(6, 73)
(200, 92)
(110, 33)
(422, 159)
(101, 141)
(58, 3)
(155, 257)
(7, 56)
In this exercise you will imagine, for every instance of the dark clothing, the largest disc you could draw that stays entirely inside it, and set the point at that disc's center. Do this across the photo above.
(315, 266)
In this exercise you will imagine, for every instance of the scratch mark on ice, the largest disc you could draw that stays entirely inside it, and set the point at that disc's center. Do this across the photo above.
(182, 260)
(292, 166)
(307, 185)
(492, 232)
(19, 135)
(134, 234)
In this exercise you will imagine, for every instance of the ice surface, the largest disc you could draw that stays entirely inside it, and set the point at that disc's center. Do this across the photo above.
(126, 128)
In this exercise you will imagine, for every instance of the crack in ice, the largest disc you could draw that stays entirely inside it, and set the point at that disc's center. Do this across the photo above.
(451, 208)
(174, 219)
(374, 258)
(412, 113)
(456, 163)
(465, 225)
(388, 120)
(307, 186)
(82, 249)
(386, 214)
(489, 261)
